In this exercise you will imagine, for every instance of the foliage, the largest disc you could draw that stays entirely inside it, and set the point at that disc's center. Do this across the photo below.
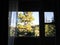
(25, 18)
(26, 29)
(49, 30)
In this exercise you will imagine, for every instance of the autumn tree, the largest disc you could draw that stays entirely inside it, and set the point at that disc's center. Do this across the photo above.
(25, 18)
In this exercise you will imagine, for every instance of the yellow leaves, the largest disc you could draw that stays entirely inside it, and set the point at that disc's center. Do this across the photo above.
(29, 18)
(36, 28)
(26, 27)
(49, 30)
(20, 26)
(46, 30)
(25, 18)
(20, 15)
(29, 13)
(20, 30)
(36, 32)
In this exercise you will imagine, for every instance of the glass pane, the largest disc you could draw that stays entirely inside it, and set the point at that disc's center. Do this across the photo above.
(50, 30)
(48, 17)
(28, 24)
(12, 23)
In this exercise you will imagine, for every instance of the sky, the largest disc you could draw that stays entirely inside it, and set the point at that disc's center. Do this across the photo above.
(36, 18)
(34, 14)
(48, 16)
(13, 19)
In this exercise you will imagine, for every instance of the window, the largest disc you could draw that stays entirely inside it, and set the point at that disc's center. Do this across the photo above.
(12, 23)
(24, 25)
(49, 24)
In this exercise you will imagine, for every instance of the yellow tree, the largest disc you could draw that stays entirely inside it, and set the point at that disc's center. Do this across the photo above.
(25, 18)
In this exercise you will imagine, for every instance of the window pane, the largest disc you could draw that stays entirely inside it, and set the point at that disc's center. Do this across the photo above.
(12, 23)
(28, 24)
(48, 17)
(50, 30)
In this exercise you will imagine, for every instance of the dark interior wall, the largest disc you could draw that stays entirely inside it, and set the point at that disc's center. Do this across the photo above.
(30, 6)
(33, 5)
(13, 5)
(46, 5)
